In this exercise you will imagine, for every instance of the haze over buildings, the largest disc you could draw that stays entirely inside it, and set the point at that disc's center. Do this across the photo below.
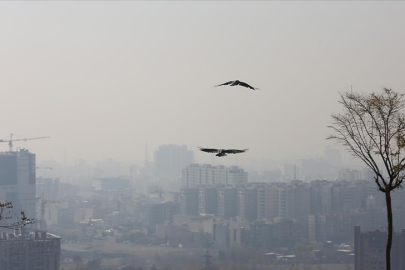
(125, 90)
(101, 77)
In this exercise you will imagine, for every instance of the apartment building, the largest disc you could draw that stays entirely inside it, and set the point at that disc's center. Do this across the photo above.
(196, 175)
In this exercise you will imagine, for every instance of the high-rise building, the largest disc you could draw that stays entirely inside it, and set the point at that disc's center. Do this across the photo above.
(350, 175)
(300, 197)
(227, 202)
(324, 227)
(269, 202)
(321, 196)
(236, 176)
(47, 188)
(369, 249)
(189, 201)
(29, 251)
(247, 203)
(288, 171)
(158, 213)
(289, 201)
(208, 200)
(191, 176)
(171, 159)
(196, 175)
(261, 202)
(17, 182)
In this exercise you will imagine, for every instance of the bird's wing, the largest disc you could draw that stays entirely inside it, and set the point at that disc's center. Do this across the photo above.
(224, 83)
(209, 150)
(235, 151)
(247, 85)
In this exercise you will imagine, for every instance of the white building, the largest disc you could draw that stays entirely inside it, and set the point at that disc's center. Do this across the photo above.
(196, 175)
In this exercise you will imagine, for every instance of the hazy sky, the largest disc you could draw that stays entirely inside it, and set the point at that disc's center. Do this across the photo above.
(104, 78)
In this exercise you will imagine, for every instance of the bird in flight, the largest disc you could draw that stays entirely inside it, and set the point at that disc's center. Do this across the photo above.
(222, 152)
(237, 82)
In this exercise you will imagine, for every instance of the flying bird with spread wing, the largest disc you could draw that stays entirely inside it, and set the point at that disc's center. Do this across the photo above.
(222, 152)
(237, 82)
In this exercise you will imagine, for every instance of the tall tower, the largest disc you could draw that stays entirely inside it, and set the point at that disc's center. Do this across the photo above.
(170, 161)
(17, 182)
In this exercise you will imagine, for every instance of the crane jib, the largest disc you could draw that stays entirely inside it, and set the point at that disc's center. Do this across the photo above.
(11, 140)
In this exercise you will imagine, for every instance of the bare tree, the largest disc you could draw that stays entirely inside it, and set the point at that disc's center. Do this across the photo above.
(6, 213)
(372, 128)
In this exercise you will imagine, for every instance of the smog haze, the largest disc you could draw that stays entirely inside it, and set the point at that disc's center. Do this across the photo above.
(104, 78)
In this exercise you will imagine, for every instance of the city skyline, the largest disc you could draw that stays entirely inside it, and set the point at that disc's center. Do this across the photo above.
(130, 94)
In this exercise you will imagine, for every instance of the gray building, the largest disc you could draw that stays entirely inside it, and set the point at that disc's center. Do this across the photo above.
(48, 188)
(17, 182)
(369, 249)
(247, 203)
(171, 159)
(158, 213)
(208, 200)
(189, 201)
(227, 202)
(29, 251)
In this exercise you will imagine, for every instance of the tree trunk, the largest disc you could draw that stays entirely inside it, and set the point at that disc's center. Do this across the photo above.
(389, 238)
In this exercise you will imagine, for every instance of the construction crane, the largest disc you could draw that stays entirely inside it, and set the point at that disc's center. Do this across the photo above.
(11, 140)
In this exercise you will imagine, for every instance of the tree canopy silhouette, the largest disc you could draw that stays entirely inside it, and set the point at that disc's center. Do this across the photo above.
(6, 211)
(372, 128)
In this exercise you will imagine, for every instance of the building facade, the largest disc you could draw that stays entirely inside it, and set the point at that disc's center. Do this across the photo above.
(17, 182)
(37, 250)
(171, 159)
(48, 188)
(196, 175)
(189, 201)
(369, 248)
(159, 213)
(208, 200)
